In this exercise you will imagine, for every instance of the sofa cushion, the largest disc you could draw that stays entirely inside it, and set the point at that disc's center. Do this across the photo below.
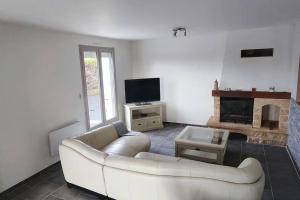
(100, 137)
(128, 145)
(156, 157)
(120, 128)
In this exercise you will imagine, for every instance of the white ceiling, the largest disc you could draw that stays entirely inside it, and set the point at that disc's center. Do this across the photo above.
(142, 19)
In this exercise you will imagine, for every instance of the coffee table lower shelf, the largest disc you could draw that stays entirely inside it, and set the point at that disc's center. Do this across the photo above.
(205, 155)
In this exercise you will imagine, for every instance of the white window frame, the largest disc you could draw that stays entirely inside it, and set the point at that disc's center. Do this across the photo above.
(98, 50)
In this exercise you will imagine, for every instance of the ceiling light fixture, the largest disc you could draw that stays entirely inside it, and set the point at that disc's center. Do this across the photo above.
(181, 29)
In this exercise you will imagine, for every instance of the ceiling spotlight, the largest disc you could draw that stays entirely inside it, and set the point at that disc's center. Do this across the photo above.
(181, 29)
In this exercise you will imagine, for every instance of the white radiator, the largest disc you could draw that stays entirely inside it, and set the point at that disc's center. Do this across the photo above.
(68, 131)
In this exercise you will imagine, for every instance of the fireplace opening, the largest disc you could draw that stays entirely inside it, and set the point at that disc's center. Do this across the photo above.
(236, 110)
(270, 116)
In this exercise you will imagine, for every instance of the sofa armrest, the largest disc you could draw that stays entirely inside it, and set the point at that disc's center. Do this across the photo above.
(251, 170)
(82, 165)
(86, 150)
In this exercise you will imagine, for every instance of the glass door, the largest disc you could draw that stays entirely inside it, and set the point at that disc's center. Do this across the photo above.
(98, 77)
(109, 85)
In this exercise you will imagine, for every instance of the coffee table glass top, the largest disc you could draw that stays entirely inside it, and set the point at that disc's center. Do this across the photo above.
(203, 135)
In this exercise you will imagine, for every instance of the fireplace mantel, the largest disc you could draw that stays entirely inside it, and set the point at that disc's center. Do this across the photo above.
(250, 94)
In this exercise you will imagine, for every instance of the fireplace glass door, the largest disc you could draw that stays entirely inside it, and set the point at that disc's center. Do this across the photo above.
(236, 110)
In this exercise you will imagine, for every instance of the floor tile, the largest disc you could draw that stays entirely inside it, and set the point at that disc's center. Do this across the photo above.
(280, 181)
(56, 178)
(39, 191)
(66, 193)
(252, 148)
(267, 195)
(276, 154)
(282, 168)
(53, 198)
(34, 180)
(232, 158)
(234, 146)
(54, 168)
(285, 188)
(267, 182)
(22, 188)
(232, 162)
(88, 196)
(260, 157)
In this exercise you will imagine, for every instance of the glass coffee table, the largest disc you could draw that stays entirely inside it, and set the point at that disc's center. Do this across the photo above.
(203, 144)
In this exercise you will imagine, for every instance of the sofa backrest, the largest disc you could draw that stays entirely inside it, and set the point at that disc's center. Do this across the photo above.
(100, 137)
(248, 172)
(145, 179)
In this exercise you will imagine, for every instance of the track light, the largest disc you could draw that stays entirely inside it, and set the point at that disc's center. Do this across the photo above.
(175, 31)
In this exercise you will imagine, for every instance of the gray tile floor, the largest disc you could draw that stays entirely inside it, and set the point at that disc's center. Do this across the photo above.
(282, 182)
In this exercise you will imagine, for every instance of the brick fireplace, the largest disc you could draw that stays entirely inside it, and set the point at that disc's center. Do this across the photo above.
(261, 116)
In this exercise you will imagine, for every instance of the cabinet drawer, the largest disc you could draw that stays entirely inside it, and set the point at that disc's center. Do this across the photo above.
(139, 125)
(154, 122)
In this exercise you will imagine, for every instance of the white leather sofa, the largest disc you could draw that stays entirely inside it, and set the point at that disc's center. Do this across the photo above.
(120, 167)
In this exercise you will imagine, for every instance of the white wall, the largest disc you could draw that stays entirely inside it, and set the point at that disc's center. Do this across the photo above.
(295, 58)
(262, 72)
(187, 68)
(40, 83)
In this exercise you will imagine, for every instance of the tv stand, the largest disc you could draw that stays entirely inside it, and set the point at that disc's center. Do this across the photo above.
(143, 103)
(144, 117)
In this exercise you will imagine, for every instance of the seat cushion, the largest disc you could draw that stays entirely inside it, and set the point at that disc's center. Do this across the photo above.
(156, 157)
(128, 145)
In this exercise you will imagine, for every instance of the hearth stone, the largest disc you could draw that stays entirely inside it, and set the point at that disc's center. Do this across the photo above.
(254, 135)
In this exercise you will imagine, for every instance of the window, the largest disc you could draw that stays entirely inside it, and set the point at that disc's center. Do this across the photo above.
(98, 77)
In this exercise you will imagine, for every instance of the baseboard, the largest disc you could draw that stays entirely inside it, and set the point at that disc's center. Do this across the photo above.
(22, 182)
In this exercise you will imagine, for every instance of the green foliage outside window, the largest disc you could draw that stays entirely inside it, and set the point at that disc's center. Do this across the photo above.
(92, 76)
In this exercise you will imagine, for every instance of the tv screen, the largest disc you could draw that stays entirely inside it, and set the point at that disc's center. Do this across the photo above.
(142, 90)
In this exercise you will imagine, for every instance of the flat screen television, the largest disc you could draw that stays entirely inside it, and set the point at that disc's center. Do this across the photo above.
(142, 90)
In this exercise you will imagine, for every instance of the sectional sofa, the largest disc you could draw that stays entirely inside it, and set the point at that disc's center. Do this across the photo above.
(121, 168)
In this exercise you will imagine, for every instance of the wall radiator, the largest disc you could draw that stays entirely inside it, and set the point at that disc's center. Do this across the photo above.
(56, 137)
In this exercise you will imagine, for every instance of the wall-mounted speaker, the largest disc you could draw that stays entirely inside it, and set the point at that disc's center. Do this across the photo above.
(247, 53)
